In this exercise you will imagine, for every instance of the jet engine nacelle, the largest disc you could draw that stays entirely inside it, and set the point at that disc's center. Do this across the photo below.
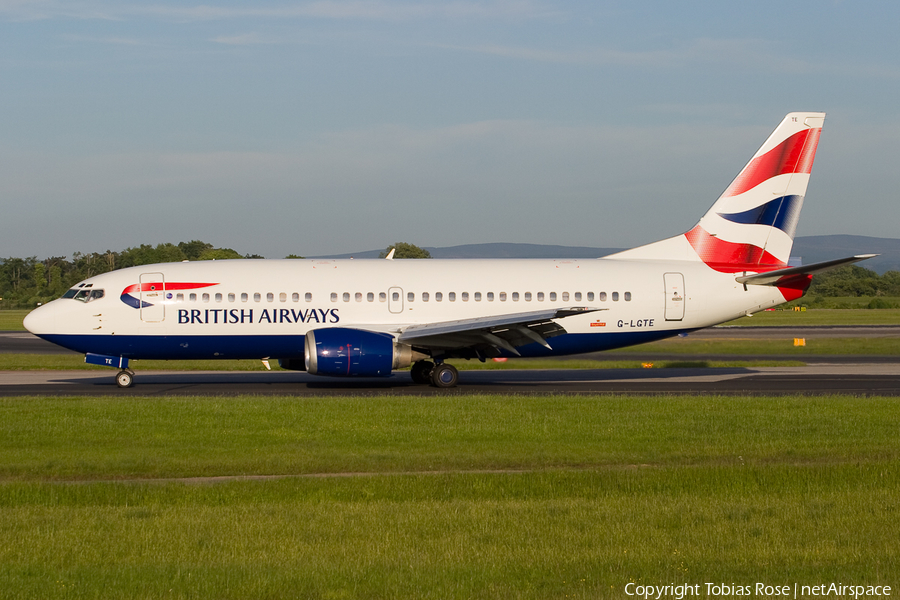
(345, 352)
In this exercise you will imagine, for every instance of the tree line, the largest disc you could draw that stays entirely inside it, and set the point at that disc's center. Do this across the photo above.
(854, 281)
(27, 282)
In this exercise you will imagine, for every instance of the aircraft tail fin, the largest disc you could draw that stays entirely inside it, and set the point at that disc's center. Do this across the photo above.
(751, 226)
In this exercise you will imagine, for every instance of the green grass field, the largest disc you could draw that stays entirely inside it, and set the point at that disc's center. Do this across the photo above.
(443, 497)
(821, 316)
(11, 320)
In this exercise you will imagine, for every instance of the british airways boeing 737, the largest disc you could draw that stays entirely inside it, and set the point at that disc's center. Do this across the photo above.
(369, 318)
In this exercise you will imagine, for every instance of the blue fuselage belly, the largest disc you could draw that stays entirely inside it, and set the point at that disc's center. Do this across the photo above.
(175, 347)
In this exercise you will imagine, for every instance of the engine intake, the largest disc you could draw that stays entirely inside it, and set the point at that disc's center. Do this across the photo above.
(345, 352)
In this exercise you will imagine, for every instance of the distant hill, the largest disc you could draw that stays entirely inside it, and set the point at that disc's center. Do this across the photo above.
(816, 248)
(810, 249)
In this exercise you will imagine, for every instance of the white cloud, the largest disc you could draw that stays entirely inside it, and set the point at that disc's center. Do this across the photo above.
(244, 39)
(378, 10)
(745, 54)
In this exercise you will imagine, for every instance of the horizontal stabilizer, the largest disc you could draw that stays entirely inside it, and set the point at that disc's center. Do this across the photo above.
(774, 277)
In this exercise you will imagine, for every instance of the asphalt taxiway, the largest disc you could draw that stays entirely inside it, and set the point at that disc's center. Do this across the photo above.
(873, 379)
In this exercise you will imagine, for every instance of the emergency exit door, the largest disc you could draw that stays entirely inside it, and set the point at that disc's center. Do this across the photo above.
(674, 296)
(395, 300)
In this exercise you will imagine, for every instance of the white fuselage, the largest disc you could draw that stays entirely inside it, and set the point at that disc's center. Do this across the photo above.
(263, 308)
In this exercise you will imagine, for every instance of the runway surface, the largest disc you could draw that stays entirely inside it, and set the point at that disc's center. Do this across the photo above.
(863, 375)
(873, 379)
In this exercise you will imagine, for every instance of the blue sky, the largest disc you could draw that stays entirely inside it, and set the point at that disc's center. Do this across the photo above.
(332, 127)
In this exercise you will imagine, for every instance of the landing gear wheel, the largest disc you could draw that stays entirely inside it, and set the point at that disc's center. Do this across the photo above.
(421, 371)
(444, 376)
(124, 379)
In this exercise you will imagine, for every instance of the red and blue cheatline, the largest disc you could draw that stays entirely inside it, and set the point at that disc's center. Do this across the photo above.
(157, 286)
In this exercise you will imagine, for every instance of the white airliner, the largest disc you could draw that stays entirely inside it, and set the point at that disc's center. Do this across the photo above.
(370, 317)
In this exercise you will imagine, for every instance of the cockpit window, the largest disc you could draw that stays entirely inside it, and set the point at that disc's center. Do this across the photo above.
(84, 295)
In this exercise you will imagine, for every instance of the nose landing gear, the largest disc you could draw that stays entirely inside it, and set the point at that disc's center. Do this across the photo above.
(125, 378)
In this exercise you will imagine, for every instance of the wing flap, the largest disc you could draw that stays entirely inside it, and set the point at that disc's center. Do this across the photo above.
(504, 331)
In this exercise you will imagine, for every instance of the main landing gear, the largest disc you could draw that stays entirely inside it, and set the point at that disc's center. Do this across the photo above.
(441, 375)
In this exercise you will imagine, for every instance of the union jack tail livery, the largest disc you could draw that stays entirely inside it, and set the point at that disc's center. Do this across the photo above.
(751, 226)
(754, 220)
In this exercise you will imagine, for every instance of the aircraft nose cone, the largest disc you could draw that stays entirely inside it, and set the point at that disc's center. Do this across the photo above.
(40, 320)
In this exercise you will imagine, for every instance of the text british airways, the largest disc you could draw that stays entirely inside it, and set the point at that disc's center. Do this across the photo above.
(230, 316)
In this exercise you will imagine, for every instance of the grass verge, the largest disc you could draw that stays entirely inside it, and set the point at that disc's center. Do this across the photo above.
(821, 316)
(454, 497)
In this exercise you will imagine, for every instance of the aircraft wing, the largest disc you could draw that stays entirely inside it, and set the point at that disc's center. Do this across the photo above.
(504, 331)
(778, 276)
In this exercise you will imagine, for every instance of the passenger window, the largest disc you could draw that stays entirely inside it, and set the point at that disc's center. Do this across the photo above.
(346, 296)
(515, 296)
(602, 296)
(295, 297)
(438, 296)
(540, 296)
(282, 297)
(382, 297)
(193, 297)
(358, 296)
(257, 297)
(615, 296)
(565, 296)
(527, 296)
(395, 296)
(218, 297)
(451, 296)
(425, 296)
(411, 296)
(179, 297)
(334, 296)
(308, 297)
(230, 297)
(552, 296)
(627, 296)
(590, 296)
(577, 296)
(270, 297)
(370, 297)
(205, 297)
(490, 296)
(465, 296)
(244, 297)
